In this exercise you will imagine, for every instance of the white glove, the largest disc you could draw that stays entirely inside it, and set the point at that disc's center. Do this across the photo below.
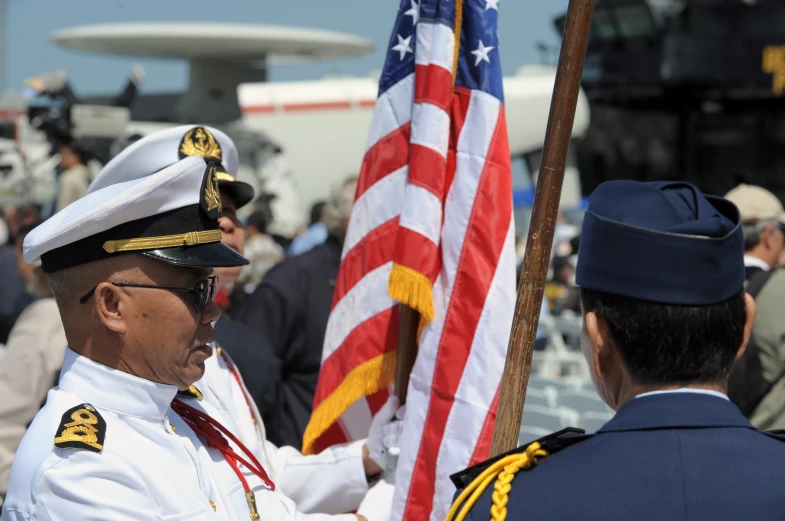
(384, 432)
(391, 432)
(377, 503)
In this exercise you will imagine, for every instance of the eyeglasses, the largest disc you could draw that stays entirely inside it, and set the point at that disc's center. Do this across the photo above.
(202, 292)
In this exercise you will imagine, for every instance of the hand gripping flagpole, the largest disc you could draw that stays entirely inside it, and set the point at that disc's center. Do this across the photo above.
(407, 353)
(540, 238)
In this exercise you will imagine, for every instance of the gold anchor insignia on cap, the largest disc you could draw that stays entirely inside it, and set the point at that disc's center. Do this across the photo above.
(212, 194)
(200, 142)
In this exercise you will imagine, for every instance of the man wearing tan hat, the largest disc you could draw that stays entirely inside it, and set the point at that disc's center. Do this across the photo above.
(757, 380)
(763, 218)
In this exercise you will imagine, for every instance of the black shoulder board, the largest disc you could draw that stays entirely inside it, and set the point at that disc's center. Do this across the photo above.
(191, 392)
(553, 443)
(81, 428)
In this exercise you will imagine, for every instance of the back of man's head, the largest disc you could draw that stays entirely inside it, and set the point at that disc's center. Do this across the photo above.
(26, 229)
(338, 209)
(317, 213)
(661, 274)
(664, 345)
(257, 221)
(73, 153)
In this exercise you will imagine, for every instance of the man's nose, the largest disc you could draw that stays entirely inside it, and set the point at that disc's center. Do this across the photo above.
(210, 313)
(226, 224)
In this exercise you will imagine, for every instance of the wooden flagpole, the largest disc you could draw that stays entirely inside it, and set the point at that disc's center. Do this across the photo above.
(408, 324)
(407, 350)
(543, 222)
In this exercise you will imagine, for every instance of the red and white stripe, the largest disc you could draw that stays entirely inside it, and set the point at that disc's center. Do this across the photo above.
(435, 195)
(453, 387)
(363, 321)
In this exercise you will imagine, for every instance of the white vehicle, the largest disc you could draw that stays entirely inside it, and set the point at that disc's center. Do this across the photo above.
(297, 140)
(323, 124)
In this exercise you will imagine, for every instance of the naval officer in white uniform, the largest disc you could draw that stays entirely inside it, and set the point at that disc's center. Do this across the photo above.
(332, 482)
(131, 270)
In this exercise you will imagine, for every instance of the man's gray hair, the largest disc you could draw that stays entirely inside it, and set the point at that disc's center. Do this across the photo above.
(339, 208)
(753, 230)
(63, 284)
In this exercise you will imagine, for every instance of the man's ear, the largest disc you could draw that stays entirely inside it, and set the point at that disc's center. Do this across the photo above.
(110, 307)
(601, 344)
(767, 235)
(752, 311)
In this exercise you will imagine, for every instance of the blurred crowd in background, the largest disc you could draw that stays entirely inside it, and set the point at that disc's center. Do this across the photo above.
(275, 313)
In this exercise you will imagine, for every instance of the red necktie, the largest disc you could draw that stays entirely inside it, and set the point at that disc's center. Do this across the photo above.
(233, 370)
(213, 433)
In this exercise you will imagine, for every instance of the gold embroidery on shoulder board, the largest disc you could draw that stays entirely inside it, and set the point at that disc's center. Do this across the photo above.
(191, 392)
(81, 428)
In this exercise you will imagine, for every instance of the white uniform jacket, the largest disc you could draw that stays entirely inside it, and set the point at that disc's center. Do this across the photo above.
(133, 458)
(331, 482)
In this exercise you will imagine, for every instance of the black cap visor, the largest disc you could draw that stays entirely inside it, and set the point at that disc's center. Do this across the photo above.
(213, 255)
(241, 193)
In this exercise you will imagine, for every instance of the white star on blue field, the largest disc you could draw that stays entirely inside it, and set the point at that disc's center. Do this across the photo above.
(481, 53)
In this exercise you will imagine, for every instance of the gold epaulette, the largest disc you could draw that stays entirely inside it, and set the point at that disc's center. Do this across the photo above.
(81, 428)
(501, 470)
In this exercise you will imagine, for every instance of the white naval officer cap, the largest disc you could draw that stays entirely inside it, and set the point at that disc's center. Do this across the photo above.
(163, 148)
(170, 215)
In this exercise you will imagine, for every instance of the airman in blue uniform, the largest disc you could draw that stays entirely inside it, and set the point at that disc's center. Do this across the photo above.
(661, 274)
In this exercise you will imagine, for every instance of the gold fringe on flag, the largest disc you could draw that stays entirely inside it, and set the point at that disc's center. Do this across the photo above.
(364, 380)
(408, 286)
(412, 288)
(457, 32)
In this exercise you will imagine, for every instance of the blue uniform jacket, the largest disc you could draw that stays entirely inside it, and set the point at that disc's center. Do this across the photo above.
(665, 457)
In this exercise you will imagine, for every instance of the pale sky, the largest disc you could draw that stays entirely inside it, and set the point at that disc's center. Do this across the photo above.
(523, 23)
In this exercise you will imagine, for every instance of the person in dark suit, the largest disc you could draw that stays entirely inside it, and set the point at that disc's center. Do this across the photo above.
(250, 351)
(291, 307)
(13, 295)
(661, 273)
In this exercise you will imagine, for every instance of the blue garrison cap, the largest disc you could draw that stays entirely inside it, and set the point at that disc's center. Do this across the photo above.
(662, 242)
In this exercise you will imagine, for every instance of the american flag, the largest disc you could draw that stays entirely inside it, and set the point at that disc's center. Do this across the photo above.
(431, 227)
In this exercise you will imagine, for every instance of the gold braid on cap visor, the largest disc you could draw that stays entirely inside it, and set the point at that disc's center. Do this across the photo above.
(163, 241)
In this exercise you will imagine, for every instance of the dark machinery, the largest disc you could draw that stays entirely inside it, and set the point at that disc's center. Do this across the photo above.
(688, 89)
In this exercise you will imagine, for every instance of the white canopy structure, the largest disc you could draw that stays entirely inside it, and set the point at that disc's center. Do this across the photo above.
(221, 55)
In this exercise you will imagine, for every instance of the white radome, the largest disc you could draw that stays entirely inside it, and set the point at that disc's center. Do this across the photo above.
(204, 41)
